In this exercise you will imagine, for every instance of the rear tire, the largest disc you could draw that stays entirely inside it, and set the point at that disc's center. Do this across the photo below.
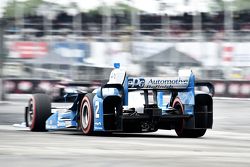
(179, 129)
(37, 112)
(87, 114)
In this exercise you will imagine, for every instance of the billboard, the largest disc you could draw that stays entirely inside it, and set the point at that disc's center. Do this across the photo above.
(78, 50)
(27, 49)
(32, 49)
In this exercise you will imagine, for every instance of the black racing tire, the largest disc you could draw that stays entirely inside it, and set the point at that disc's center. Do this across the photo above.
(179, 128)
(37, 112)
(87, 114)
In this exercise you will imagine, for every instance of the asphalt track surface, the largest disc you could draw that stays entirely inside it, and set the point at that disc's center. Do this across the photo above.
(227, 144)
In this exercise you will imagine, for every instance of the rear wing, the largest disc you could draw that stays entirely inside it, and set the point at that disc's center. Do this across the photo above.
(209, 85)
(183, 81)
(184, 85)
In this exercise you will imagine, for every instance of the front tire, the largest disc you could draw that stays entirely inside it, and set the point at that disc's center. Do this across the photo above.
(37, 112)
(87, 114)
(179, 128)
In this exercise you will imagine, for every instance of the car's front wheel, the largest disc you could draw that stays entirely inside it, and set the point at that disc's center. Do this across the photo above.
(37, 112)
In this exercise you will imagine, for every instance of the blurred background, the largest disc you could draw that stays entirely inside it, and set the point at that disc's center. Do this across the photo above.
(46, 45)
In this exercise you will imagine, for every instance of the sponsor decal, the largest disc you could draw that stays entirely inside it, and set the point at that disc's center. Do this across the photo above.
(117, 76)
(98, 128)
(157, 83)
(112, 75)
(136, 82)
(166, 83)
(98, 123)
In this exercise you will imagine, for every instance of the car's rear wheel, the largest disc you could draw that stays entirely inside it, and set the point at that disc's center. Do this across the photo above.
(37, 112)
(179, 128)
(87, 114)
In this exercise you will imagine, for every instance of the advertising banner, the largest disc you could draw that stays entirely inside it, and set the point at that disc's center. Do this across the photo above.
(27, 49)
(78, 50)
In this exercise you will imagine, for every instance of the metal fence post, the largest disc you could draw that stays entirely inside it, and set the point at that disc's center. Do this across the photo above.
(2, 55)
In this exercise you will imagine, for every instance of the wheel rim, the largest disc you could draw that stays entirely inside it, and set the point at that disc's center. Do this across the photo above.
(85, 115)
(30, 113)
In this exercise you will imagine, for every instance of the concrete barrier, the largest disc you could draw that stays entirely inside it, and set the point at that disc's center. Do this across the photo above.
(231, 88)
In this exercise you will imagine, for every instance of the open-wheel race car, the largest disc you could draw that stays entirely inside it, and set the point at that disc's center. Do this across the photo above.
(166, 103)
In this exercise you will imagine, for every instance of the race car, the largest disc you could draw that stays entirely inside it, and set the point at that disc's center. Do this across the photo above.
(167, 103)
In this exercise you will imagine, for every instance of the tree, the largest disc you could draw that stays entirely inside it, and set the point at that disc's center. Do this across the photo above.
(237, 5)
(29, 7)
(241, 4)
(217, 5)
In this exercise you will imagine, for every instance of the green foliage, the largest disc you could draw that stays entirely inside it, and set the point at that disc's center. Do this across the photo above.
(241, 4)
(236, 5)
(126, 8)
(217, 5)
(118, 8)
(29, 7)
(96, 11)
(9, 10)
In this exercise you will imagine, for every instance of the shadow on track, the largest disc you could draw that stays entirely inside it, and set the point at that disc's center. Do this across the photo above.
(74, 132)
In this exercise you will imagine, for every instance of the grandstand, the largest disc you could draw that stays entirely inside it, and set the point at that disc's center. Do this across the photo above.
(180, 27)
(121, 33)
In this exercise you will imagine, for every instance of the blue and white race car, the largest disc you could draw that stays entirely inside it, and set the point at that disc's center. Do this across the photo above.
(130, 104)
